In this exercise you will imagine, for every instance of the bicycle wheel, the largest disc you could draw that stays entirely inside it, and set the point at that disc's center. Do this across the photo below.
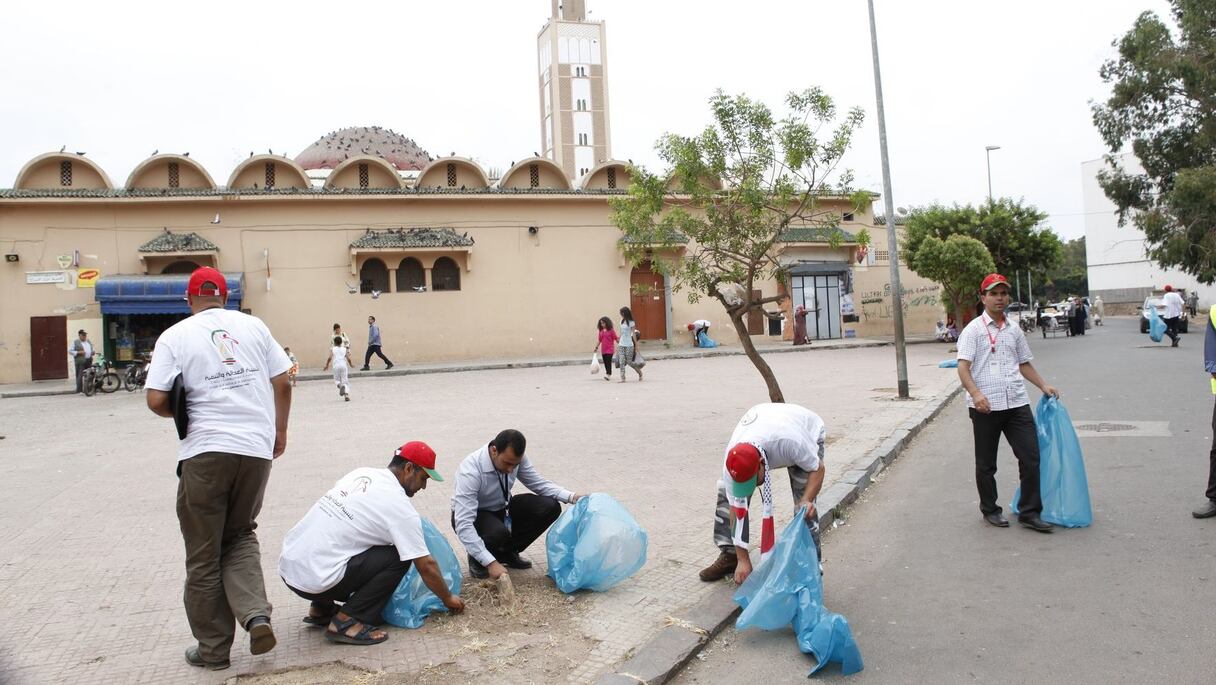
(88, 382)
(110, 382)
(129, 379)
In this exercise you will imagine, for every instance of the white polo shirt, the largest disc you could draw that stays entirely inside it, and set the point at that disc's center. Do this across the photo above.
(998, 373)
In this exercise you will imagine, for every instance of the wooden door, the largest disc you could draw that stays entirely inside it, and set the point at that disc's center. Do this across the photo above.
(755, 318)
(648, 302)
(48, 347)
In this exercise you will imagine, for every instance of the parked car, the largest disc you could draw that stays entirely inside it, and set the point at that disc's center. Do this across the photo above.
(1183, 323)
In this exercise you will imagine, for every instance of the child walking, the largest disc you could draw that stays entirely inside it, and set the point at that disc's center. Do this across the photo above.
(627, 352)
(339, 356)
(606, 344)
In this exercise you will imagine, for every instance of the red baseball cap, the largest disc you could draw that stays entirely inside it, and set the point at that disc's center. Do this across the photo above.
(207, 282)
(742, 463)
(1169, 288)
(421, 455)
(993, 280)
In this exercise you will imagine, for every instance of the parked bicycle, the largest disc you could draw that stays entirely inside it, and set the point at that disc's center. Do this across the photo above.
(136, 374)
(100, 376)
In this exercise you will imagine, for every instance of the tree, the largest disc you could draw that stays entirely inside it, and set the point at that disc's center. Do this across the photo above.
(1163, 100)
(959, 263)
(1071, 277)
(729, 195)
(1011, 230)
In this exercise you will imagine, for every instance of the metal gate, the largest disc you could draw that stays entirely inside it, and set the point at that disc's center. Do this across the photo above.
(820, 294)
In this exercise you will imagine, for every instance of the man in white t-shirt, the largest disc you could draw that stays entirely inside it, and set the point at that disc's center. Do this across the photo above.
(237, 401)
(356, 544)
(1173, 313)
(769, 436)
(339, 356)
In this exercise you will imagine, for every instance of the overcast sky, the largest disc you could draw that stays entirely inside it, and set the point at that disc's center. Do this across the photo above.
(221, 79)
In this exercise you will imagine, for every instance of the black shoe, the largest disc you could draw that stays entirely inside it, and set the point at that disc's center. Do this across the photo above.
(516, 562)
(1036, 524)
(477, 570)
(1174, 343)
(261, 636)
(195, 659)
(390, 365)
(365, 368)
(996, 519)
(1207, 511)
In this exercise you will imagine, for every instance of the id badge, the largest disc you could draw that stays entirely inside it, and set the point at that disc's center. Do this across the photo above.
(507, 520)
(994, 361)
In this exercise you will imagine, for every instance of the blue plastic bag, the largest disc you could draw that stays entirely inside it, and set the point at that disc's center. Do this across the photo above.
(703, 340)
(1062, 482)
(594, 545)
(948, 364)
(1156, 324)
(786, 590)
(413, 601)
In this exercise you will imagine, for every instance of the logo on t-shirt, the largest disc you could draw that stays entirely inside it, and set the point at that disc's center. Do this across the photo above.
(749, 418)
(358, 485)
(225, 345)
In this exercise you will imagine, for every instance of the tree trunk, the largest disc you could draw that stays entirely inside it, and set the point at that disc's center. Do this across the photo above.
(774, 390)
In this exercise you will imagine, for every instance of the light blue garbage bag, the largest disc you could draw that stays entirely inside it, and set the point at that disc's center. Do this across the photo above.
(948, 364)
(1062, 482)
(413, 601)
(594, 545)
(1156, 324)
(786, 590)
(703, 340)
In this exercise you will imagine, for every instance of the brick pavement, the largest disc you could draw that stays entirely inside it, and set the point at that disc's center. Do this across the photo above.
(92, 569)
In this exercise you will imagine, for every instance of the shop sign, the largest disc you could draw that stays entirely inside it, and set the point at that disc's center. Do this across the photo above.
(87, 278)
(46, 277)
(65, 260)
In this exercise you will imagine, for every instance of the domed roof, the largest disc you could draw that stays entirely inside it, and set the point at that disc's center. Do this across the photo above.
(333, 148)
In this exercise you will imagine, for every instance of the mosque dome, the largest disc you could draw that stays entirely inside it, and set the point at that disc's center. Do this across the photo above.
(333, 148)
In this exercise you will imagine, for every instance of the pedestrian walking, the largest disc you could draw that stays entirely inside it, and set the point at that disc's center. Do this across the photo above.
(1099, 310)
(339, 356)
(800, 334)
(1173, 314)
(1208, 509)
(82, 356)
(338, 332)
(356, 544)
(295, 366)
(235, 376)
(767, 438)
(626, 352)
(993, 360)
(373, 346)
(606, 344)
(1080, 315)
(493, 525)
(1192, 302)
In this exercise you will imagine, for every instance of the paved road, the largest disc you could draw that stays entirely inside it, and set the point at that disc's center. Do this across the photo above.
(937, 596)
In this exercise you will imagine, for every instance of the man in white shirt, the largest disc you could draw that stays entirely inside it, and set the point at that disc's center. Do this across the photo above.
(696, 328)
(339, 356)
(1173, 313)
(993, 358)
(82, 356)
(768, 437)
(356, 544)
(493, 525)
(238, 398)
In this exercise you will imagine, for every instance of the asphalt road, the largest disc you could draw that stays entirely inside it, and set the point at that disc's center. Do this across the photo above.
(935, 595)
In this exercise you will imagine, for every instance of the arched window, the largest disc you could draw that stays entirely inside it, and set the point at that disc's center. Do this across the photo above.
(180, 267)
(373, 276)
(445, 275)
(410, 277)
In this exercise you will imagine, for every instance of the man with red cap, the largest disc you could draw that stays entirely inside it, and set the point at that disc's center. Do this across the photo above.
(356, 544)
(226, 378)
(993, 358)
(1173, 313)
(768, 437)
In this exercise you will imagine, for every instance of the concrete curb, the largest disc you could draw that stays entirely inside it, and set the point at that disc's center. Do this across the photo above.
(663, 655)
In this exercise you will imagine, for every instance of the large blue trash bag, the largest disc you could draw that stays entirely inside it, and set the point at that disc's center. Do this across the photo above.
(786, 590)
(1062, 482)
(703, 340)
(1156, 324)
(948, 364)
(413, 601)
(594, 545)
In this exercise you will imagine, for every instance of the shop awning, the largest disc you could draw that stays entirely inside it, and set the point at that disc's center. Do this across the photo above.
(156, 294)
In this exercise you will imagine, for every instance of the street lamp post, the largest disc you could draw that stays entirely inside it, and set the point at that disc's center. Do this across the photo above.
(897, 309)
(988, 154)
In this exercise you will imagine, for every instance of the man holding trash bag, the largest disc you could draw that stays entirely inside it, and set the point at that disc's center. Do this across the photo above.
(1208, 509)
(768, 437)
(993, 358)
(493, 525)
(356, 544)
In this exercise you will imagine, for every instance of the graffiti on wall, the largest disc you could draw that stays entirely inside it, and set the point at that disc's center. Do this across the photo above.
(876, 304)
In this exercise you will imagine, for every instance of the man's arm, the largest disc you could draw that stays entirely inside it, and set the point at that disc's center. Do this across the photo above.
(1031, 374)
(813, 485)
(531, 478)
(158, 402)
(964, 375)
(428, 569)
(464, 512)
(281, 385)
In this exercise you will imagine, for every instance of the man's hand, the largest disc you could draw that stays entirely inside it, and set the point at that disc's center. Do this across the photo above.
(981, 403)
(454, 604)
(810, 509)
(577, 496)
(496, 570)
(1048, 390)
(743, 570)
(280, 443)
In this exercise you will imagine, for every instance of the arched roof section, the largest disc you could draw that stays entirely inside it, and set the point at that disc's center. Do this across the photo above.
(600, 177)
(155, 172)
(380, 174)
(466, 173)
(46, 171)
(287, 174)
(549, 175)
(673, 182)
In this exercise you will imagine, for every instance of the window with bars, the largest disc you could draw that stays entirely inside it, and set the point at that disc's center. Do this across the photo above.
(175, 178)
(534, 175)
(65, 173)
(269, 175)
(847, 216)
(451, 175)
(882, 255)
(363, 175)
(445, 275)
(612, 178)
(582, 172)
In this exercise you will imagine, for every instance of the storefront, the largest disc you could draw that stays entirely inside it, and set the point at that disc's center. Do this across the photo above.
(137, 309)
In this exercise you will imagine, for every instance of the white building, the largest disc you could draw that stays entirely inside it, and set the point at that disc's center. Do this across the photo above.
(1119, 268)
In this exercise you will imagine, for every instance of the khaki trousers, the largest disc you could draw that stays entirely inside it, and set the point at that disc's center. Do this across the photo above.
(219, 496)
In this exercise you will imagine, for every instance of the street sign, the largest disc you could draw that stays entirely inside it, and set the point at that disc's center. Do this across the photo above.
(46, 277)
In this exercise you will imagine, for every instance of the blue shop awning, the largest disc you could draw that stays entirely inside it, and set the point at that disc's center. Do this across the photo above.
(156, 294)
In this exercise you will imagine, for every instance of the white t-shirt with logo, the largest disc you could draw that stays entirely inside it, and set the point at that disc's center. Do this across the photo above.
(788, 434)
(226, 360)
(366, 508)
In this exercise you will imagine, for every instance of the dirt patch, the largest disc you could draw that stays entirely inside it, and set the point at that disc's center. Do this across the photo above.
(333, 672)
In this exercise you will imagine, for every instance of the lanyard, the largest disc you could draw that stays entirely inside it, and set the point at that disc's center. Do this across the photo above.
(503, 482)
(993, 338)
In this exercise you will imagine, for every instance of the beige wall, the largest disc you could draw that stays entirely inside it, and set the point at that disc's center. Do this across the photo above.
(377, 176)
(156, 175)
(45, 174)
(872, 300)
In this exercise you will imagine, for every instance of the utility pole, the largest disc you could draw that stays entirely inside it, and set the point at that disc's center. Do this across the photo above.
(897, 304)
(988, 155)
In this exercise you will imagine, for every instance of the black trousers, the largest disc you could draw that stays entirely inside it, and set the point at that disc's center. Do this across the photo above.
(531, 515)
(370, 579)
(374, 349)
(1017, 425)
(1171, 326)
(607, 362)
(1212, 458)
